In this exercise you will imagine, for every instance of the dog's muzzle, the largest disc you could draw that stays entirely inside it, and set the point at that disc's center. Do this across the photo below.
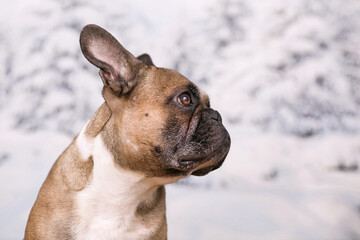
(207, 143)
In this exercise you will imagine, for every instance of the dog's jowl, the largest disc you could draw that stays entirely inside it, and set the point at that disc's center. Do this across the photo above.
(155, 127)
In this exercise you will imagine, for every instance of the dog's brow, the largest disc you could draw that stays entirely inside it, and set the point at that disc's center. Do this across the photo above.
(194, 90)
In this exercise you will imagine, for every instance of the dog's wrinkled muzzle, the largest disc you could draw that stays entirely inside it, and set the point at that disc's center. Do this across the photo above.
(207, 143)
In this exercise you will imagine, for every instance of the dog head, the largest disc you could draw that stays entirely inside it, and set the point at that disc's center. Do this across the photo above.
(161, 123)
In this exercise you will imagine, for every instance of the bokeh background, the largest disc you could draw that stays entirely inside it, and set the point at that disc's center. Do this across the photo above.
(284, 74)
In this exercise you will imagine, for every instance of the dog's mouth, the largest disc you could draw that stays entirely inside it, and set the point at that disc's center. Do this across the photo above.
(205, 162)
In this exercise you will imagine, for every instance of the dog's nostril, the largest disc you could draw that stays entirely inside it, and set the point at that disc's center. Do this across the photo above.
(211, 114)
(216, 116)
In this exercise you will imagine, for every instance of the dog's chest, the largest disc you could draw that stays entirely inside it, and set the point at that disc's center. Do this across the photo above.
(106, 226)
(106, 208)
(103, 216)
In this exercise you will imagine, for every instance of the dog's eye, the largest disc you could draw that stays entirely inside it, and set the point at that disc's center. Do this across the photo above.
(184, 99)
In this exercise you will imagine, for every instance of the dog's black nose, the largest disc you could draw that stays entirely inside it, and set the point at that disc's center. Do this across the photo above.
(209, 113)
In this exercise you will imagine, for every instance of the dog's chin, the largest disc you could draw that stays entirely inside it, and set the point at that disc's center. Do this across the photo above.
(206, 170)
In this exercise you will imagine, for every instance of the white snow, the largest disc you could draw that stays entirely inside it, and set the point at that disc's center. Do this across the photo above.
(284, 74)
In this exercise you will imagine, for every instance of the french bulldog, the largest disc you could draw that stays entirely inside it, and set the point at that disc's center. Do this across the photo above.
(154, 128)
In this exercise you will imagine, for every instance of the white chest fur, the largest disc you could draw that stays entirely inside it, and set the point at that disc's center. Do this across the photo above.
(106, 208)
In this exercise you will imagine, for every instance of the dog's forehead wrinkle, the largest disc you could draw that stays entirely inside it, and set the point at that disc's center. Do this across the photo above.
(171, 79)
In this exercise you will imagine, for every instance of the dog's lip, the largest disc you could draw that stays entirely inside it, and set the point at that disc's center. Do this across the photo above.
(186, 160)
(197, 160)
(216, 165)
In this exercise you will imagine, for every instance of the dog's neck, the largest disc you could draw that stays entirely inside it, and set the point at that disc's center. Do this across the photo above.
(115, 201)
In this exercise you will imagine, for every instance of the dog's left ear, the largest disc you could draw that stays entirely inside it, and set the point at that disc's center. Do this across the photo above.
(146, 59)
(118, 67)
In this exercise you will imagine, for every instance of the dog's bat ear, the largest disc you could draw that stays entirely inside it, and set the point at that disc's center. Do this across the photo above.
(118, 67)
(146, 59)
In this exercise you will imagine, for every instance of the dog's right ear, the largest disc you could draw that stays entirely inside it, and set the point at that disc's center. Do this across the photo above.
(118, 67)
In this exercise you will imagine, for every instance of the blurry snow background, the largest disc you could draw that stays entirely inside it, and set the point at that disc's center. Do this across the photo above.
(284, 74)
